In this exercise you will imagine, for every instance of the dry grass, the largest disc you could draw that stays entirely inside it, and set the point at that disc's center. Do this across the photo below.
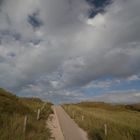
(12, 113)
(122, 121)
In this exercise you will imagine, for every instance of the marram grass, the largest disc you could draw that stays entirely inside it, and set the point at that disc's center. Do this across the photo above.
(12, 112)
(122, 123)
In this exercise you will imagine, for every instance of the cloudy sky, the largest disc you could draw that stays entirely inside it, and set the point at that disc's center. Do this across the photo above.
(71, 50)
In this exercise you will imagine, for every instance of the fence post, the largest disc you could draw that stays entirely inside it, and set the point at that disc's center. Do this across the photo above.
(105, 129)
(82, 118)
(38, 114)
(25, 123)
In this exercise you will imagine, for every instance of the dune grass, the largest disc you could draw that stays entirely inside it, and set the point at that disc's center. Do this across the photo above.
(123, 121)
(12, 112)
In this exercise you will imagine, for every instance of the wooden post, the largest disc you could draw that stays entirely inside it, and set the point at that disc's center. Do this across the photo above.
(25, 124)
(82, 118)
(105, 127)
(38, 114)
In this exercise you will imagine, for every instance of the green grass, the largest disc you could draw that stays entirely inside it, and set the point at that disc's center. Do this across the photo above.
(123, 121)
(12, 112)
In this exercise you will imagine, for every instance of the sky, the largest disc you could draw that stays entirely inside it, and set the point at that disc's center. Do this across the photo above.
(71, 50)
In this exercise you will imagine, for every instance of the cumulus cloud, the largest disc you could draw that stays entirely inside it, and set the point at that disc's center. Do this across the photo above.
(49, 47)
(113, 44)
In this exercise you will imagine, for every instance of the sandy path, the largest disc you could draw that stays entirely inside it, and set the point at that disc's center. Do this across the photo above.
(54, 126)
(63, 127)
(70, 129)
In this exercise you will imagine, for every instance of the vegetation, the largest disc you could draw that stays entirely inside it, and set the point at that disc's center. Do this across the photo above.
(12, 113)
(123, 121)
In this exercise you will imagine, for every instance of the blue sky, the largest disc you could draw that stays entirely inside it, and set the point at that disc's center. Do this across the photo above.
(69, 51)
(123, 85)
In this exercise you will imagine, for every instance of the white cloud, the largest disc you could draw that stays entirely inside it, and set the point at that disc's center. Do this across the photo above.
(137, 94)
(78, 49)
(103, 84)
(133, 78)
(98, 21)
